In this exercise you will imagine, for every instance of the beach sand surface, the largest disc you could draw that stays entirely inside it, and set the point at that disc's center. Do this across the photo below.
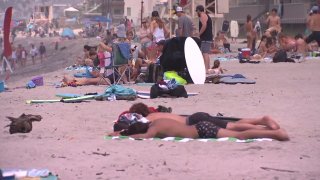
(69, 140)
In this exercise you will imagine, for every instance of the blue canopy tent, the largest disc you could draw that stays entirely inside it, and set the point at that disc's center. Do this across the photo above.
(67, 32)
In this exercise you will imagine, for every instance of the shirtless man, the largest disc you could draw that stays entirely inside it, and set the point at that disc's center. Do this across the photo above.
(168, 124)
(273, 22)
(314, 26)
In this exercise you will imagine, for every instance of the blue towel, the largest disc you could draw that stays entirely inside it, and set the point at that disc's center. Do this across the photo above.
(238, 76)
(125, 50)
(119, 90)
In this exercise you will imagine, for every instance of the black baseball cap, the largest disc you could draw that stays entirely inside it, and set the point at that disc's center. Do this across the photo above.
(200, 8)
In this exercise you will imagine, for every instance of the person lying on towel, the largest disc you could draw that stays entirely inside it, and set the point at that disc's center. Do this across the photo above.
(201, 125)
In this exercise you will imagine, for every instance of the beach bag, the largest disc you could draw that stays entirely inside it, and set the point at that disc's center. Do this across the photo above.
(280, 56)
(178, 91)
(154, 73)
(225, 26)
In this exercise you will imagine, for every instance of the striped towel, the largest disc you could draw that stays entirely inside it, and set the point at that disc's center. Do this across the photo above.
(178, 139)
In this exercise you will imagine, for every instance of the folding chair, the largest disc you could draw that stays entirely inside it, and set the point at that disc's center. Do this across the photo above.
(120, 61)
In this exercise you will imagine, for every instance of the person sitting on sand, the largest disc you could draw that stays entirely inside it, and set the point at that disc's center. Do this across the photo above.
(201, 125)
(216, 68)
(91, 78)
(287, 43)
(302, 47)
(220, 44)
(86, 49)
(271, 47)
(262, 49)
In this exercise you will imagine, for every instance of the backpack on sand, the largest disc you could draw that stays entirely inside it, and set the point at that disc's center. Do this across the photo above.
(154, 73)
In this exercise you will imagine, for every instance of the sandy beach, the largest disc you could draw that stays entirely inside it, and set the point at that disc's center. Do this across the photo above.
(69, 140)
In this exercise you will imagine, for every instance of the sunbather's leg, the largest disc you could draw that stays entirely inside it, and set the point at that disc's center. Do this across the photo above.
(243, 126)
(278, 134)
(265, 121)
(67, 79)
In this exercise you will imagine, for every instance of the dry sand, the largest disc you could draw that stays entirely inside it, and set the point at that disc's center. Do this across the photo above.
(69, 136)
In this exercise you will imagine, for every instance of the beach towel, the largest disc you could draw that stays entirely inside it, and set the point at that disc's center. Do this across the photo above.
(40, 174)
(232, 79)
(178, 139)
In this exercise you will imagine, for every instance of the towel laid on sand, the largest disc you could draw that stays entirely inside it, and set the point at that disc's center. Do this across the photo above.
(178, 139)
(231, 79)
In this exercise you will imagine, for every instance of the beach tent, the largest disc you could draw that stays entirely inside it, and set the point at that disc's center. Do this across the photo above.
(67, 32)
(71, 12)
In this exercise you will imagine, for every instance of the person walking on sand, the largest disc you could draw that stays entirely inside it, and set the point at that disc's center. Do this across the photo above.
(185, 25)
(33, 53)
(42, 51)
(205, 32)
(23, 56)
(249, 30)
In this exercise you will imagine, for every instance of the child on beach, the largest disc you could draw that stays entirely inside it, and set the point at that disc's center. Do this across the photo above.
(216, 68)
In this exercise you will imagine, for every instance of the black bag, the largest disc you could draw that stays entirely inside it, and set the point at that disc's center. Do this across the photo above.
(154, 73)
(179, 91)
(280, 56)
(225, 26)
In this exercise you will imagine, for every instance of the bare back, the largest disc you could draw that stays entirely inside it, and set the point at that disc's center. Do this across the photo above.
(315, 22)
(161, 115)
(169, 128)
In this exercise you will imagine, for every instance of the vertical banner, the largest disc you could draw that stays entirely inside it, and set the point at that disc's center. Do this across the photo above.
(6, 33)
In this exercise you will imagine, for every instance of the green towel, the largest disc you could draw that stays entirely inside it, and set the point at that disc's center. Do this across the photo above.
(179, 139)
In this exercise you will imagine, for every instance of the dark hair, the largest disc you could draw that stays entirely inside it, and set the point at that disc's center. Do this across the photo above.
(263, 37)
(136, 128)
(92, 52)
(248, 17)
(87, 47)
(155, 14)
(140, 108)
(129, 33)
(298, 36)
(200, 8)
(216, 64)
(270, 42)
(274, 10)
(159, 22)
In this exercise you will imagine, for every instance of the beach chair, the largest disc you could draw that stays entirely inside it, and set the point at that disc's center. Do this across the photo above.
(120, 57)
